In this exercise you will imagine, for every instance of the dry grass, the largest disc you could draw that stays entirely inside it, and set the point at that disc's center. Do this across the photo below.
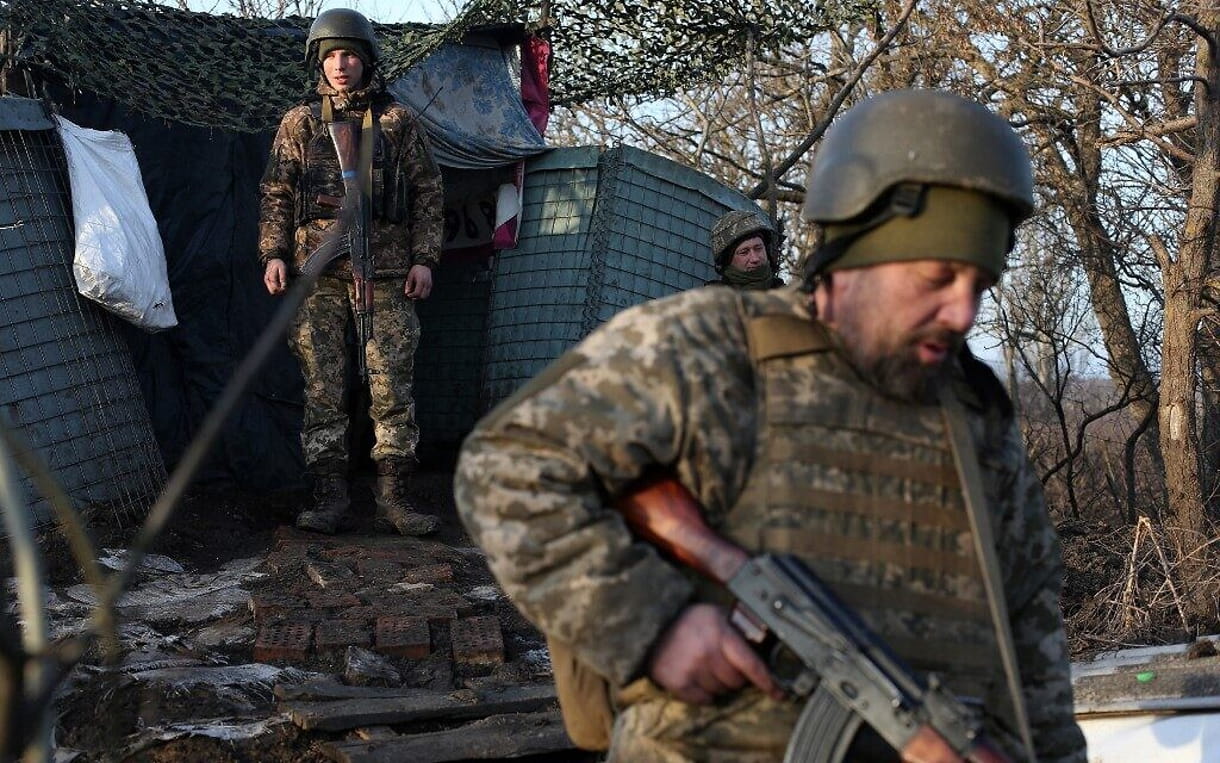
(1124, 587)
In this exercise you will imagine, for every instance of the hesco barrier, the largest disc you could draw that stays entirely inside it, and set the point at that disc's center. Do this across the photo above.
(449, 361)
(601, 230)
(69, 385)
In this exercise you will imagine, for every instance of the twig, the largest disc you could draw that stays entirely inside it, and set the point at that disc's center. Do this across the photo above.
(1168, 576)
(795, 156)
(1128, 595)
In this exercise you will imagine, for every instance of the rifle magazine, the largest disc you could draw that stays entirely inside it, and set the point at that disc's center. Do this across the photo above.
(824, 731)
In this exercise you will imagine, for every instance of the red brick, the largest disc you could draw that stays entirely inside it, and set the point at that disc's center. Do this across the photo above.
(283, 642)
(327, 600)
(412, 552)
(477, 641)
(306, 615)
(329, 575)
(287, 535)
(340, 634)
(400, 636)
(288, 557)
(378, 569)
(266, 606)
(432, 573)
(433, 614)
(431, 598)
(343, 553)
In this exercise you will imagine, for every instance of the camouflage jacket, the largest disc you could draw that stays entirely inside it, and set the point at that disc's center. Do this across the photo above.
(301, 187)
(671, 383)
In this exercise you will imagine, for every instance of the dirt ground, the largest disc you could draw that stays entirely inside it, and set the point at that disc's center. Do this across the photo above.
(105, 715)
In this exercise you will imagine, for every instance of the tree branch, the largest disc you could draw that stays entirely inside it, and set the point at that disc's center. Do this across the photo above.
(837, 102)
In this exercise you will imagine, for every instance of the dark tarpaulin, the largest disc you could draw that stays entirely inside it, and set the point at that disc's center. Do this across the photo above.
(202, 186)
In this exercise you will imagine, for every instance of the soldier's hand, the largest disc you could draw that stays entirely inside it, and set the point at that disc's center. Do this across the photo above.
(419, 282)
(275, 276)
(702, 655)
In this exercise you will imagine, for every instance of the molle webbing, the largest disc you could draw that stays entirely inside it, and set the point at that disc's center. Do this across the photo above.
(866, 492)
(940, 475)
(827, 545)
(919, 512)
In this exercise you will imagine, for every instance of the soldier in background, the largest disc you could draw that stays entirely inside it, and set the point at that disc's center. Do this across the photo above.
(806, 421)
(743, 251)
(302, 191)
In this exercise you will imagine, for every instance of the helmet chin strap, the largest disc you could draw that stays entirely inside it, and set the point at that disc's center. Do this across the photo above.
(904, 200)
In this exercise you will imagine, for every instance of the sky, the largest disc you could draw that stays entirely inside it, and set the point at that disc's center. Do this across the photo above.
(396, 11)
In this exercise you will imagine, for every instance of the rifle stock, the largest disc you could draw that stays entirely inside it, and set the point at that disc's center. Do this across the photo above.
(665, 514)
(917, 717)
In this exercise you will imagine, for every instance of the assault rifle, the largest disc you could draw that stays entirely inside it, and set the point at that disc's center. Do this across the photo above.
(351, 234)
(852, 674)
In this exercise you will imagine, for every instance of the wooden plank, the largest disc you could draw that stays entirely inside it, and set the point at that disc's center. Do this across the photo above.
(342, 714)
(494, 738)
(330, 689)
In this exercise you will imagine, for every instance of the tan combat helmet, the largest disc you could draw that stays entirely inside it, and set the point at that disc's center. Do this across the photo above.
(735, 226)
(341, 23)
(924, 155)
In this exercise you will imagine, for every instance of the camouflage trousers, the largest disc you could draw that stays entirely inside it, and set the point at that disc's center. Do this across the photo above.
(743, 727)
(318, 339)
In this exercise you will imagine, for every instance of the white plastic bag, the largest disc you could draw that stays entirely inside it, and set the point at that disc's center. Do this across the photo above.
(120, 261)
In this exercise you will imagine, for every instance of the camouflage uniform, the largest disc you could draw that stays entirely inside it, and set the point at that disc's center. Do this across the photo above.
(300, 192)
(672, 383)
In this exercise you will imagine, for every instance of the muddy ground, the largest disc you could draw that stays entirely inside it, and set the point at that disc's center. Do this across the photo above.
(120, 713)
(111, 714)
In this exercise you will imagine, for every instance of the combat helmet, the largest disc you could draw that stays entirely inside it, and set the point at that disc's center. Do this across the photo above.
(735, 226)
(341, 23)
(880, 158)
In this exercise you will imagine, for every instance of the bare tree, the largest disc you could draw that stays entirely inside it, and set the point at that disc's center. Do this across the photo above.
(1117, 100)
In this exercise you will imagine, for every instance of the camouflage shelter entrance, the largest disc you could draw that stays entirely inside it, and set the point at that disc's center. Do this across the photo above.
(202, 146)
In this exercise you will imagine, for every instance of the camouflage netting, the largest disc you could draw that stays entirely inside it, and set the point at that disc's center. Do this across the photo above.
(183, 66)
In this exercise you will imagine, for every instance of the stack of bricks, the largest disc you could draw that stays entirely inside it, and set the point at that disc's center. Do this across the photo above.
(370, 595)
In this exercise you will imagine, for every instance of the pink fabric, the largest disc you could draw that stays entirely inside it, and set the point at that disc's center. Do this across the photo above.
(536, 96)
(535, 80)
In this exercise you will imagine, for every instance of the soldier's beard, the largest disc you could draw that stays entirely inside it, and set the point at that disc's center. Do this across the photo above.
(897, 372)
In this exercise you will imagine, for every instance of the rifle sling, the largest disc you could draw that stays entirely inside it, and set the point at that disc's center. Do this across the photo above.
(984, 543)
(332, 247)
(368, 139)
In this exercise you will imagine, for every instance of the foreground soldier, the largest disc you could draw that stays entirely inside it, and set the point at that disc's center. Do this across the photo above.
(805, 421)
(743, 251)
(301, 194)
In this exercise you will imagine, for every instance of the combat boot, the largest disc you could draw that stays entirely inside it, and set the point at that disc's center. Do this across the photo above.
(394, 510)
(330, 505)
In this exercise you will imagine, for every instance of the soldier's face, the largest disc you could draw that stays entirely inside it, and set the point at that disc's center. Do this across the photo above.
(901, 321)
(343, 69)
(749, 254)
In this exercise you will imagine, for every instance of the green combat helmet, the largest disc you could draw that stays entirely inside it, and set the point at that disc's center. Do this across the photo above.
(341, 23)
(735, 226)
(917, 173)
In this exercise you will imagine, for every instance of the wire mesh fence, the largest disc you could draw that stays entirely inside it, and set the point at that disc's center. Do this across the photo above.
(69, 383)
